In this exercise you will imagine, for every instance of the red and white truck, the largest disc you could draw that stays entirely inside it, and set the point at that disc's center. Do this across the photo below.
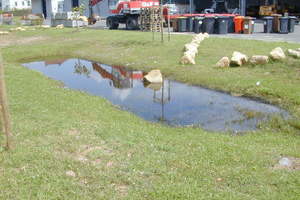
(126, 12)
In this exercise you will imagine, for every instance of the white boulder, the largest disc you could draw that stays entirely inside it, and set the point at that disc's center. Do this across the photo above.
(192, 52)
(224, 62)
(259, 60)
(277, 54)
(45, 26)
(191, 47)
(18, 29)
(60, 26)
(238, 59)
(295, 54)
(205, 35)
(154, 76)
(198, 38)
(70, 173)
(187, 59)
(4, 33)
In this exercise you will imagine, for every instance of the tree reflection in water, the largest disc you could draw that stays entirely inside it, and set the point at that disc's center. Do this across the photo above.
(161, 95)
(81, 69)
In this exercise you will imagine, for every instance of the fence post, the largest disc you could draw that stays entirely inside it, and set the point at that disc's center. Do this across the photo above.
(5, 118)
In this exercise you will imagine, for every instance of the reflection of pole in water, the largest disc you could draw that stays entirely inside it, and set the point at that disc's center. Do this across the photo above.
(162, 100)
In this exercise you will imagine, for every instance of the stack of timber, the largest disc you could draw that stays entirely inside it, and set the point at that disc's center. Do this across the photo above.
(151, 19)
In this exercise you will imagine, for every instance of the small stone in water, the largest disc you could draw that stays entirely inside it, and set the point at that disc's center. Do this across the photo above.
(285, 162)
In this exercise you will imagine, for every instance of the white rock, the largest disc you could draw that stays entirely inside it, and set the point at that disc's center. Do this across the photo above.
(224, 62)
(70, 173)
(200, 35)
(205, 35)
(191, 47)
(286, 162)
(17, 29)
(259, 60)
(196, 42)
(191, 52)
(198, 38)
(298, 49)
(60, 26)
(154, 76)
(187, 59)
(277, 54)
(294, 53)
(4, 33)
(21, 29)
(238, 59)
(45, 26)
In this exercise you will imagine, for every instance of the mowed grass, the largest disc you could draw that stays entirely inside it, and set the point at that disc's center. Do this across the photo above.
(116, 155)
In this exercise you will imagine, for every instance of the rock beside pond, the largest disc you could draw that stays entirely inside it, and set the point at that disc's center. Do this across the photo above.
(277, 54)
(188, 58)
(238, 59)
(294, 53)
(224, 62)
(4, 33)
(259, 60)
(154, 76)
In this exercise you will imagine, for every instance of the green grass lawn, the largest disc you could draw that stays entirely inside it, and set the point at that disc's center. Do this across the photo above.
(116, 155)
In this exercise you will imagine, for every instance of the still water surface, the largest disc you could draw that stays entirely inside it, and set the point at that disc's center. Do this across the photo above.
(172, 102)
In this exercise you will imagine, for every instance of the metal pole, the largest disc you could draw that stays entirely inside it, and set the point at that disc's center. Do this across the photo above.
(243, 7)
(191, 6)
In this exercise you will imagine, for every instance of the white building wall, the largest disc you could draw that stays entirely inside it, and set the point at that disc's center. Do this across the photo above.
(37, 7)
(67, 5)
(52, 6)
(15, 4)
(101, 9)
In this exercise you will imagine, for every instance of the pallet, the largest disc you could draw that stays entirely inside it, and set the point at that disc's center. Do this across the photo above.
(151, 19)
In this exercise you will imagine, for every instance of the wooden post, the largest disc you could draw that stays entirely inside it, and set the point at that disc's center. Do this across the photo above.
(152, 23)
(161, 21)
(5, 118)
(169, 35)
